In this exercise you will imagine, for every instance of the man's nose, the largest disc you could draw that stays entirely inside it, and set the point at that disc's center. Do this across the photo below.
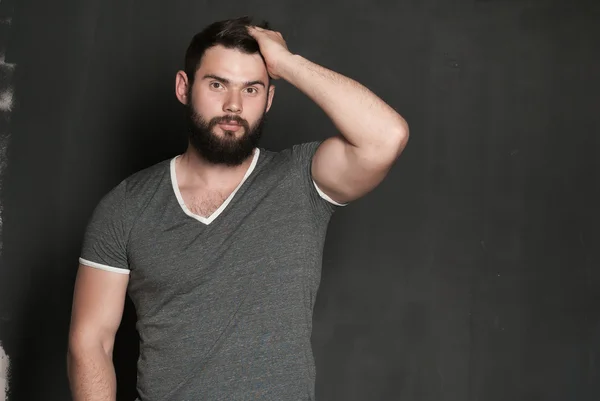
(233, 103)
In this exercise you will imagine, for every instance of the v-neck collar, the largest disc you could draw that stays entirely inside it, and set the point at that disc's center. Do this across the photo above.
(216, 213)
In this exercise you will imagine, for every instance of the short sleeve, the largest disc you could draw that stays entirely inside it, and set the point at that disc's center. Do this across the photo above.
(303, 155)
(104, 242)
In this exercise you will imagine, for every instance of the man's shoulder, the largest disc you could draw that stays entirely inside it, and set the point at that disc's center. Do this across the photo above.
(140, 183)
(149, 175)
(291, 153)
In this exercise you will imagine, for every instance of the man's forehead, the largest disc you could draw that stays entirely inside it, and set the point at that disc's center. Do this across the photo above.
(233, 64)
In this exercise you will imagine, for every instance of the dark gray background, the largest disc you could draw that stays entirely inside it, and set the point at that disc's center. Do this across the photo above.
(470, 274)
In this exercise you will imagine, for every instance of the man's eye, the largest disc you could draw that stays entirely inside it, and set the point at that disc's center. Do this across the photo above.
(215, 85)
(252, 90)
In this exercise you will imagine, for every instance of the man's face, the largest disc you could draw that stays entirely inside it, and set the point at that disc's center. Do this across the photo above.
(227, 104)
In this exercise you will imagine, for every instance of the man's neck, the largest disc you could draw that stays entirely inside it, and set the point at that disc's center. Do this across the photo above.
(194, 170)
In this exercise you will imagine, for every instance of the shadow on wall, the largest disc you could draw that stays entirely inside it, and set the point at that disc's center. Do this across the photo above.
(126, 353)
(151, 131)
(144, 138)
(46, 247)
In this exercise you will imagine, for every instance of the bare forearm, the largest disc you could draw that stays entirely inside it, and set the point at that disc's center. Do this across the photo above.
(91, 375)
(361, 117)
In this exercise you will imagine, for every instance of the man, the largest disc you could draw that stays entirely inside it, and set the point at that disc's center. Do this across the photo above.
(220, 248)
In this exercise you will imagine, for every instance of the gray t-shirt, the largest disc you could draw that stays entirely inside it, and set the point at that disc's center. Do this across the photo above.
(224, 303)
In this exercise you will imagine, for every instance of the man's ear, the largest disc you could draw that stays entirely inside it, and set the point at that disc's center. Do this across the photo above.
(182, 87)
(270, 95)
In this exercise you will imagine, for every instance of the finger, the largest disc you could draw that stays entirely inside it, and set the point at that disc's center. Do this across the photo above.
(252, 30)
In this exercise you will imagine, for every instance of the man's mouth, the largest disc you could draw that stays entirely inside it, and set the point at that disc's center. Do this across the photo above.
(230, 125)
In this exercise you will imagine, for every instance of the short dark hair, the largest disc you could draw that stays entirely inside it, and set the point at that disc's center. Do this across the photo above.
(231, 33)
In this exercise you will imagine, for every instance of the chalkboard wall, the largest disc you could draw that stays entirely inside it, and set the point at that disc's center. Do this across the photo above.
(470, 274)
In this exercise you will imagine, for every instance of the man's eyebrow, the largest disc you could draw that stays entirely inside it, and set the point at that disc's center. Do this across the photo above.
(227, 81)
(216, 77)
(257, 82)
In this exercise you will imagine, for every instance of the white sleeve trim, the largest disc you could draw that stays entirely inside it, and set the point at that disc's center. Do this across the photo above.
(103, 267)
(326, 197)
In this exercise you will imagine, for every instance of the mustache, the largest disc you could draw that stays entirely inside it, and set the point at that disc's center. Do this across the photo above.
(228, 119)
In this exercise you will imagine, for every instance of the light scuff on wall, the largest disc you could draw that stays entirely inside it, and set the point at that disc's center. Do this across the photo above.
(6, 107)
(4, 364)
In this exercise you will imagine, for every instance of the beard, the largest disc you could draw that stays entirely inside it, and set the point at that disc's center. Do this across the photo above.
(226, 149)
